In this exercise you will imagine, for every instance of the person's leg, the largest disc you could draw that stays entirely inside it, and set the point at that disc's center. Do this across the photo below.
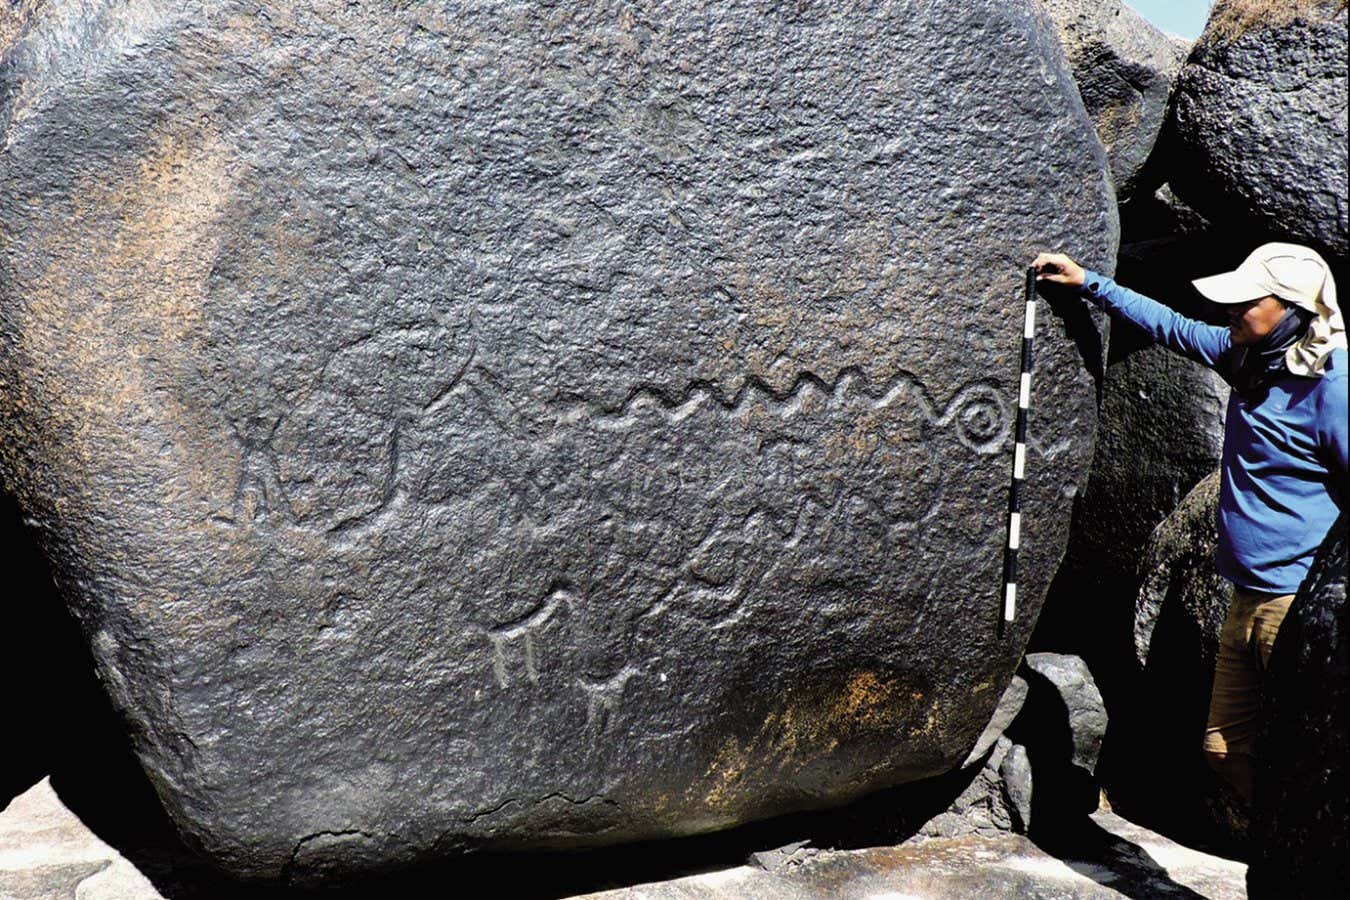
(1235, 703)
(1266, 624)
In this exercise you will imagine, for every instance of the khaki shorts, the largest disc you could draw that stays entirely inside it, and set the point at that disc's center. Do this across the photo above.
(1244, 651)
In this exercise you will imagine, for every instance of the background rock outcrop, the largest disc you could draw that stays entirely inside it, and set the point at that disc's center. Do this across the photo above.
(1301, 820)
(537, 426)
(1157, 772)
(1125, 68)
(1260, 122)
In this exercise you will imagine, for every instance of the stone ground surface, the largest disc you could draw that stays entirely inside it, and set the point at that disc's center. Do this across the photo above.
(48, 853)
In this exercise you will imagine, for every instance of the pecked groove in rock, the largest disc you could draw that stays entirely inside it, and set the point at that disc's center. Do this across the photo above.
(526, 400)
(978, 409)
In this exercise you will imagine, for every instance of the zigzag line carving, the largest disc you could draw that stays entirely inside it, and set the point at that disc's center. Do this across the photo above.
(977, 410)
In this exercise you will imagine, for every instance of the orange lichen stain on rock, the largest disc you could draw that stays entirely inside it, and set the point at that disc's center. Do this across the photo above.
(799, 734)
(111, 323)
(864, 700)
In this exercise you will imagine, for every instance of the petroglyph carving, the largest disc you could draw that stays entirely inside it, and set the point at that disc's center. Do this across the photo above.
(977, 411)
(522, 632)
(602, 697)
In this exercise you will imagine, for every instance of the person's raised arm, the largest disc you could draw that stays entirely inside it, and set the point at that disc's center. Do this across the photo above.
(1195, 340)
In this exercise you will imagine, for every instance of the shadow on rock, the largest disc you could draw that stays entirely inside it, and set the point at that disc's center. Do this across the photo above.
(53, 697)
(1109, 860)
(113, 798)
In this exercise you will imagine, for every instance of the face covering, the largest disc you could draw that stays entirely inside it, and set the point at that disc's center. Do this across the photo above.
(1264, 361)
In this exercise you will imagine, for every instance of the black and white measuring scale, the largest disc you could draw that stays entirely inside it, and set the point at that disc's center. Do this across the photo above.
(1019, 455)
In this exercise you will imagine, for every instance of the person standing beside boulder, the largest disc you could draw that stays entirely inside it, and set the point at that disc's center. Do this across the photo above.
(1284, 469)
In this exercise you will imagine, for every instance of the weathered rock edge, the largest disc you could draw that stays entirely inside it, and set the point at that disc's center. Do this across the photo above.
(535, 426)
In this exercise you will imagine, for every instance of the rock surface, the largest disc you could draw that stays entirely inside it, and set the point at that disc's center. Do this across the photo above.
(45, 849)
(1009, 705)
(1110, 858)
(14, 15)
(1260, 121)
(47, 853)
(1125, 69)
(1062, 726)
(1160, 431)
(1181, 610)
(536, 425)
(983, 807)
(1301, 823)
(1182, 589)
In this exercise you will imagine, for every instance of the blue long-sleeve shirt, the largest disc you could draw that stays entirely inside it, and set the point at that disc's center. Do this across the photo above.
(1284, 453)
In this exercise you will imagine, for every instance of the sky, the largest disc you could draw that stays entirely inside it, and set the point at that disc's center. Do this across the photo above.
(1181, 17)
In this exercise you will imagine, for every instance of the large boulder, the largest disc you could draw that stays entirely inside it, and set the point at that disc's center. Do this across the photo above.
(1260, 122)
(1062, 726)
(1158, 773)
(1302, 814)
(1125, 69)
(537, 425)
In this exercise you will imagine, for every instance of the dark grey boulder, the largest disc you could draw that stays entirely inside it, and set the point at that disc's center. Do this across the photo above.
(1260, 121)
(1009, 705)
(1162, 777)
(1015, 780)
(1301, 820)
(1061, 725)
(982, 805)
(1160, 430)
(1181, 584)
(537, 426)
(1063, 681)
(1125, 69)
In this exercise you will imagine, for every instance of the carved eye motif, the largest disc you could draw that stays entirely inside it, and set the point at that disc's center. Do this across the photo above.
(981, 419)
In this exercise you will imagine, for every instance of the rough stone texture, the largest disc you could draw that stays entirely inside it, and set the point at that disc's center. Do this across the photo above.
(1107, 858)
(1061, 725)
(1125, 69)
(47, 853)
(1301, 822)
(1009, 705)
(1260, 123)
(14, 15)
(46, 841)
(982, 807)
(1182, 589)
(1163, 779)
(1016, 783)
(1160, 432)
(784, 858)
(537, 425)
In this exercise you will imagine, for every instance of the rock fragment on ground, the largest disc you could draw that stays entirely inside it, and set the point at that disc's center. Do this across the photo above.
(47, 853)
(1061, 725)
(1009, 705)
